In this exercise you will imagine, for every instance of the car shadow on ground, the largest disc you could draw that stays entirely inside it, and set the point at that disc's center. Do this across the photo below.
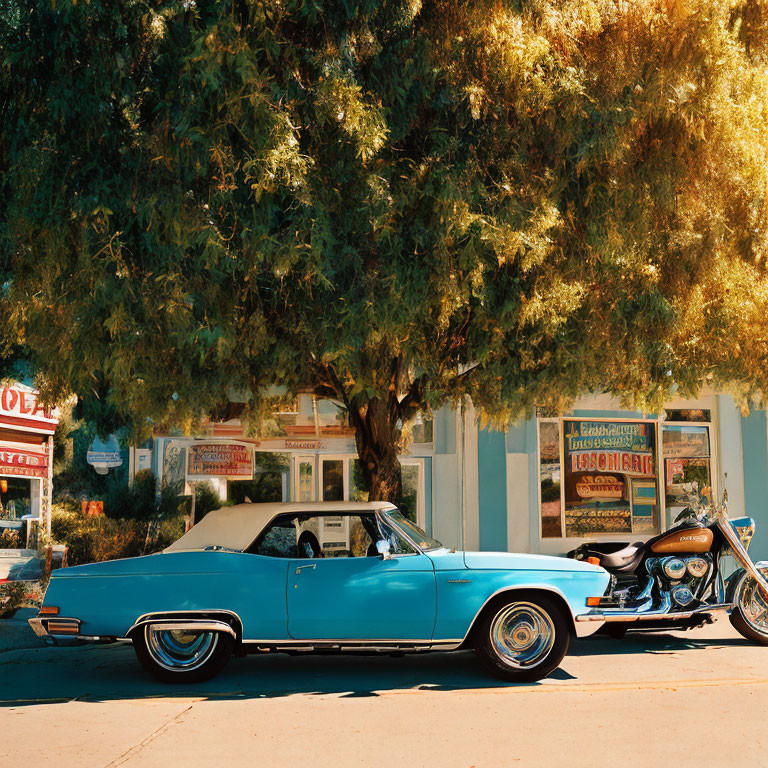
(649, 642)
(111, 672)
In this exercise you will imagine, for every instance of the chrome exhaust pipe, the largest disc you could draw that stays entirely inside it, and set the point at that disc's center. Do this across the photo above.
(642, 613)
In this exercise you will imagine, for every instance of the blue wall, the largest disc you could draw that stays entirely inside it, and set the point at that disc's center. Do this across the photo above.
(754, 437)
(492, 486)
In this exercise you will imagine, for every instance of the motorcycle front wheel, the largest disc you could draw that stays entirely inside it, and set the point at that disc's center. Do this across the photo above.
(750, 613)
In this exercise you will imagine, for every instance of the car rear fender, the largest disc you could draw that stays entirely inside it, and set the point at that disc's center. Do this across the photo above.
(219, 620)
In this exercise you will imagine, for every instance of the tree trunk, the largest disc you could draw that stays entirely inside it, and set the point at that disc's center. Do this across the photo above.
(377, 437)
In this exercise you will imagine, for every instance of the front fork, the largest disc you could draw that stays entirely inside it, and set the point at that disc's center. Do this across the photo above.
(742, 557)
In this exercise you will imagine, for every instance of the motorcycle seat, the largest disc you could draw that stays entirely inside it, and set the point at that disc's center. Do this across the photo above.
(613, 555)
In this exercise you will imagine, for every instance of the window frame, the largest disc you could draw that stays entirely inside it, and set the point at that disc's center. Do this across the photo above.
(659, 424)
(256, 543)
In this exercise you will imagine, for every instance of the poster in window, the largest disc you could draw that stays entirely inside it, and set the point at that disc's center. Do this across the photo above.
(610, 477)
(549, 474)
(682, 441)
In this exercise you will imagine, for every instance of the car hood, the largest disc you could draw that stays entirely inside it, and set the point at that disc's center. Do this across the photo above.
(518, 562)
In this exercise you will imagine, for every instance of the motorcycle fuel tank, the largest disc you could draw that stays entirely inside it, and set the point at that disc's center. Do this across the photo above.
(687, 540)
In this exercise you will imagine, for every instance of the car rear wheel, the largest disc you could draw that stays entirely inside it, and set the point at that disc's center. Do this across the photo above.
(523, 640)
(182, 655)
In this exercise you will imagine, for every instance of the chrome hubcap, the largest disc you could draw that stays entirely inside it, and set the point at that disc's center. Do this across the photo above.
(522, 634)
(180, 649)
(754, 607)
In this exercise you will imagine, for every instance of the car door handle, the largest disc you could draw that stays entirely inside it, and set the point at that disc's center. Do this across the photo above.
(298, 570)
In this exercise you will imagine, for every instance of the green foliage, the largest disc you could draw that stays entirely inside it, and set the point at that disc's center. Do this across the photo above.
(385, 202)
(10, 539)
(206, 500)
(12, 597)
(141, 501)
(267, 484)
(94, 539)
(550, 490)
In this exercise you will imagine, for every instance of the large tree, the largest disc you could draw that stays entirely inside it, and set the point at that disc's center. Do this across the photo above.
(390, 203)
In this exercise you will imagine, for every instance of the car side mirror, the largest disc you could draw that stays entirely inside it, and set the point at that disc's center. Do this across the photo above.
(383, 547)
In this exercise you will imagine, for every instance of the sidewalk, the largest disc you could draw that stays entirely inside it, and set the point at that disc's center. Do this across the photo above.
(15, 633)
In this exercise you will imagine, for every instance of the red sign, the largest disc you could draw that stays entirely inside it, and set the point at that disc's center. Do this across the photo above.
(23, 463)
(635, 463)
(20, 410)
(220, 460)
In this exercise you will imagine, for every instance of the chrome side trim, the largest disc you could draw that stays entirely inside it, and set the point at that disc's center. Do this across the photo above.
(194, 626)
(357, 645)
(191, 614)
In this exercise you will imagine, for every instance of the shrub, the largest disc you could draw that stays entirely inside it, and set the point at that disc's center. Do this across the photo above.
(10, 539)
(11, 598)
(95, 539)
(206, 500)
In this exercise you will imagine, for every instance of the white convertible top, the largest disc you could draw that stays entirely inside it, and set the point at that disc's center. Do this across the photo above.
(236, 527)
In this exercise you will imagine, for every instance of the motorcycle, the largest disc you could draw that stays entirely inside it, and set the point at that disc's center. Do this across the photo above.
(680, 578)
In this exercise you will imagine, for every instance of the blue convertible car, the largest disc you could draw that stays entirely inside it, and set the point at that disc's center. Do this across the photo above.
(322, 577)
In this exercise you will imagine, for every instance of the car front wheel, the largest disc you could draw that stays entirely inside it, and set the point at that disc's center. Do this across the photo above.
(182, 655)
(522, 640)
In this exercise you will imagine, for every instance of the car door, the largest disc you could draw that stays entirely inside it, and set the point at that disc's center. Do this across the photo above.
(362, 598)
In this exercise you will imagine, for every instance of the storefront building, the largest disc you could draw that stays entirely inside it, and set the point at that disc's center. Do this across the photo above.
(26, 464)
(544, 485)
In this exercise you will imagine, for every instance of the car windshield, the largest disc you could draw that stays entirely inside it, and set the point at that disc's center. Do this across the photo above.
(412, 530)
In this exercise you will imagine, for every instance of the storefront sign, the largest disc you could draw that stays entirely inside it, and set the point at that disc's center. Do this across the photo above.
(304, 445)
(220, 460)
(636, 463)
(21, 410)
(23, 463)
(104, 455)
(597, 435)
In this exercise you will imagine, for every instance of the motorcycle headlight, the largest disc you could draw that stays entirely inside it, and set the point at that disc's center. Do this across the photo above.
(674, 567)
(697, 567)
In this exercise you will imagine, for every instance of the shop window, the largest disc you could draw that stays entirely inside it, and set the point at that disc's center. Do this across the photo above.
(422, 429)
(549, 479)
(358, 488)
(409, 499)
(306, 489)
(333, 479)
(610, 477)
(688, 414)
(687, 466)
(269, 482)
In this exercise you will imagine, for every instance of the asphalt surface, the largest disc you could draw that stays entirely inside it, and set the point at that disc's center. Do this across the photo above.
(690, 698)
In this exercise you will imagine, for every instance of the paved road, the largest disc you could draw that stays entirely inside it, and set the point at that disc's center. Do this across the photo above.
(684, 699)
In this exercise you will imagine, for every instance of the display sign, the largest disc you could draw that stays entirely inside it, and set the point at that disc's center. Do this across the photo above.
(610, 476)
(20, 410)
(609, 447)
(220, 460)
(23, 463)
(104, 455)
(599, 487)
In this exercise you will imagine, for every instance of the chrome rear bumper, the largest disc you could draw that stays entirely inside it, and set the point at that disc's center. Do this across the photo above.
(62, 631)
